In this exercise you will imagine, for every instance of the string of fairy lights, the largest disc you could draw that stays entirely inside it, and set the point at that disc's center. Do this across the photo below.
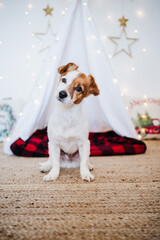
(48, 11)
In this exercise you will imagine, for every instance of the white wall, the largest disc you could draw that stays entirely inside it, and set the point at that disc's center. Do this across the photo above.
(20, 59)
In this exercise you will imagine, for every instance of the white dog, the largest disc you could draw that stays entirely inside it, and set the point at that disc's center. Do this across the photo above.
(68, 128)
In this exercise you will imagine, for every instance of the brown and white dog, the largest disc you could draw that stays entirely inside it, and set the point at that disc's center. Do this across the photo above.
(68, 128)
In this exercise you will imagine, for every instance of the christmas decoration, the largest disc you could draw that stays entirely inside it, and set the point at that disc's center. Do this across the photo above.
(123, 42)
(144, 102)
(46, 37)
(7, 121)
(48, 10)
(123, 21)
(143, 120)
(147, 126)
(145, 116)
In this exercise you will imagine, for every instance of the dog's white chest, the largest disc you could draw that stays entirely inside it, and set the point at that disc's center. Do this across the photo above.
(69, 145)
(68, 139)
(68, 129)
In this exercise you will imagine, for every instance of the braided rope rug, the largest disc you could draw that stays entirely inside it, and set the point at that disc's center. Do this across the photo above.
(122, 203)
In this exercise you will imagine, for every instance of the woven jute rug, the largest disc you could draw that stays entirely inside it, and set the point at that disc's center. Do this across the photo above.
(122, 203)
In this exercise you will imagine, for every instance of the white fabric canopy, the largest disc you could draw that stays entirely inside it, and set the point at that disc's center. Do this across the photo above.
(79, 43)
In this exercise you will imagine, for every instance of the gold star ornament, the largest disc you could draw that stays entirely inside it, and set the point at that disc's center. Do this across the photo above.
(123, 42)
(48, 10)
(123, 21)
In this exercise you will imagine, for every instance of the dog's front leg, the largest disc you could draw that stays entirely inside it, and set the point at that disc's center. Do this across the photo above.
(54, 155)
(84, 151)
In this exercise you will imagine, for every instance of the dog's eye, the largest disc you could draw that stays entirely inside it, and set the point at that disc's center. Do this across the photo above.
(78, 89)
(64, 80)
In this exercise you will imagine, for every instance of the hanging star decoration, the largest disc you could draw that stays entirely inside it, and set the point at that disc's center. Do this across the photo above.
(48, 10)
(123, 42)
(123, 21)
(46, 37)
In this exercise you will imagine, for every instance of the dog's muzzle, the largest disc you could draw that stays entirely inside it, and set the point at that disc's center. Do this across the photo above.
(62, 94)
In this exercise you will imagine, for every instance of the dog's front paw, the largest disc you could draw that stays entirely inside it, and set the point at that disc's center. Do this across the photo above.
(91, 167)
(45, 167)
(86, 175)
(51, 176)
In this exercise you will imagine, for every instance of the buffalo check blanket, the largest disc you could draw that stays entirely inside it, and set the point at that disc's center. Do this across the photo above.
(102, 144)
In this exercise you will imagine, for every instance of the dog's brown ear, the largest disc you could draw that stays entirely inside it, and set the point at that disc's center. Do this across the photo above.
(67, 68)
(93, 88)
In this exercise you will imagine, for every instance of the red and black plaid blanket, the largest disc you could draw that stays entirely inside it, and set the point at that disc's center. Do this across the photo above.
(102, 144)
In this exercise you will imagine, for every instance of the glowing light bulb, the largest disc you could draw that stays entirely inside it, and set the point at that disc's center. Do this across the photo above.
(40, 86)
(1, 77)
(89, 19)
(29, 23)
(54, 57)
(144, 116)
(63, 12)
(0, 42)
(66, 9)
(47, 72)
(57, 39)
(144, 96)
(33, 46)
(30, 6)
(104, 37)
(144, 50)
(136, 31)
(36, 101)
(139, 136)
(84, 4)
(145, 104)
(20, 114)
(143, 130)
(26, 13)
(133, 69)
(93, 37)
(98, 51)
(126, 108)
(140, 13)
(1, 5)
(110, 56)
(109, 16)
(114, 80)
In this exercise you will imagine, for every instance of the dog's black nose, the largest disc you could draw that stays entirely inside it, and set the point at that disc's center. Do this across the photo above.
(62, 94)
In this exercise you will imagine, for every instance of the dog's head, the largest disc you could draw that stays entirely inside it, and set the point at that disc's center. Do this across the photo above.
(74, 86)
